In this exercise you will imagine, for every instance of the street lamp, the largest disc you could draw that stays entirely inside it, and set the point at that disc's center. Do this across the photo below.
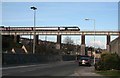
(34, 9)
(87, 19)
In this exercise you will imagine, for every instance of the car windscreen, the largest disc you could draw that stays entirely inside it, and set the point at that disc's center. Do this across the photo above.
(84, 58)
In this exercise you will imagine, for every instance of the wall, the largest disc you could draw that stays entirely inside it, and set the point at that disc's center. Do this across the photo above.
(11, 59)
(115, 46)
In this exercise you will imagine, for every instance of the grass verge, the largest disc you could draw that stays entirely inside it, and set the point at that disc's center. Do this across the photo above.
(115, 73)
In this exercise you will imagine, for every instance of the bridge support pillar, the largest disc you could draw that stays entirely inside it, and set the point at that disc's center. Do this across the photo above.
(58, 45)
(36, 39)
(108, 43)
(16, 38)
(82, 44)
(119, 34)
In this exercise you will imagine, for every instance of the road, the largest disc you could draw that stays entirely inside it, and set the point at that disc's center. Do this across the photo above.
(69, 68)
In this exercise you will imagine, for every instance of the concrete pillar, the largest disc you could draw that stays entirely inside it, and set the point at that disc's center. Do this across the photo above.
(58, 45)
(36, 39)
(108, 43)
(12, 36)
(82, 44)
(16, 38)
(119, 34)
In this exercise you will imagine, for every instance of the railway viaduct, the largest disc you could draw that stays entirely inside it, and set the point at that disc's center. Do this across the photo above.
(16, 35)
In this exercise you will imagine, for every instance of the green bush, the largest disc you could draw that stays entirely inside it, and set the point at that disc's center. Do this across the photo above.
(108, 61)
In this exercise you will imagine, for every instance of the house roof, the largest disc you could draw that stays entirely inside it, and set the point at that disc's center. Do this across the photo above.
(115, 40)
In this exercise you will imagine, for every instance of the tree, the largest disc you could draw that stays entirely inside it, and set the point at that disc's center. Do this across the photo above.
(46, 49)
(68, 40)
(69, 44)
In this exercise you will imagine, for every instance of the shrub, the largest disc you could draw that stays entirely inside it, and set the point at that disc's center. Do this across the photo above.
(108, 61)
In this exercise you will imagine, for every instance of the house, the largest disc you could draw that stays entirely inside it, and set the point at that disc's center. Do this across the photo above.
(115, 46)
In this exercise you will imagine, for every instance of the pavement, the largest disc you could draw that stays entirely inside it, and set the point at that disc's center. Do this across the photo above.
(85, 71)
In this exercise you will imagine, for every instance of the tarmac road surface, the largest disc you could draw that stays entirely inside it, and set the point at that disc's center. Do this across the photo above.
(64, 68)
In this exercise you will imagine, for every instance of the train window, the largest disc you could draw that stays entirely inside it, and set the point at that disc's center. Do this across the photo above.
(1, 26)
(62, 28)
(46, 28)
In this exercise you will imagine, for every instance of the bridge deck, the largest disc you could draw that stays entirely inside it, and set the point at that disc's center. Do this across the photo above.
(59, 32)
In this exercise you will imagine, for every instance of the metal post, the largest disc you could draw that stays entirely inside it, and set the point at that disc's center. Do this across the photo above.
(30, 43)
(34, 33)
(94, 36)
(34, 8)
(94, 41)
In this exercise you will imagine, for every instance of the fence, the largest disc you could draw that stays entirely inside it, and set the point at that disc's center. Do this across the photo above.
(9, 59)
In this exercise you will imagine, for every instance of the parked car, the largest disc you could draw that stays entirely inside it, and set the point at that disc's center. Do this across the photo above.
(84, 60)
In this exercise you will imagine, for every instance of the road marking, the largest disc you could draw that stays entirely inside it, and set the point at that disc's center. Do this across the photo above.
(17, 67)
(75, 74)
(4, 68)
(20, 71)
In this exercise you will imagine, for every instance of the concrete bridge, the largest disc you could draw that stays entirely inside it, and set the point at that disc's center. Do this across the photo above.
(16, 34)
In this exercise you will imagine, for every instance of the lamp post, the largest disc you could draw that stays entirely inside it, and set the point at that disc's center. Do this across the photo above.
(34, 9)
(87, 19)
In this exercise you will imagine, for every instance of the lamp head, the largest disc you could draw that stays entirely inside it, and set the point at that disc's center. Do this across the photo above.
(87, 19)
(34, 8)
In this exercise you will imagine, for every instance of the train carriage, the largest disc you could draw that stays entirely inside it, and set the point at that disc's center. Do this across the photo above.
(40, 29)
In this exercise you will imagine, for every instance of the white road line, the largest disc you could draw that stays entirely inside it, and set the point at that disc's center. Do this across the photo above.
(27, 66)
(20, 71)
(17, 67)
